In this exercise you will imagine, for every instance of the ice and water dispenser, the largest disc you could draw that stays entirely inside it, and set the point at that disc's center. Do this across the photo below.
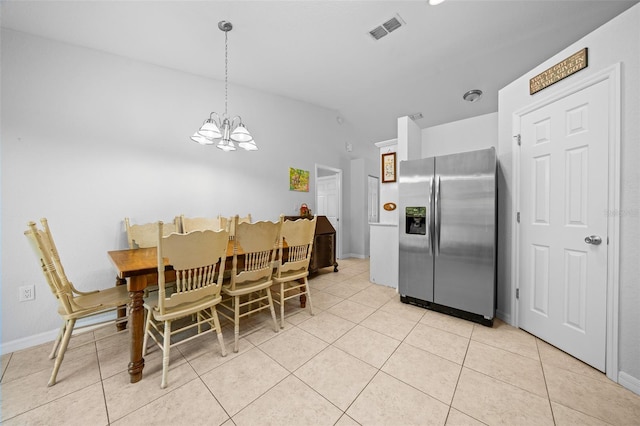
(416, 220)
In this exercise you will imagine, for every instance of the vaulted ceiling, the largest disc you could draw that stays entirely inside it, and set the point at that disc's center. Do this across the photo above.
(321, 52)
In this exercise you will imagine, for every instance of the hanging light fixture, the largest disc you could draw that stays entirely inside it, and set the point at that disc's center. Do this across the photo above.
(222, 131)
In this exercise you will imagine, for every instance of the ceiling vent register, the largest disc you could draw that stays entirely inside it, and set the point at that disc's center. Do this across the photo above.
(386, 28)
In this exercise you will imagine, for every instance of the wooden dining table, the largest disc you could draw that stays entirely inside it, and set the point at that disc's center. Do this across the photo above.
(134, 267)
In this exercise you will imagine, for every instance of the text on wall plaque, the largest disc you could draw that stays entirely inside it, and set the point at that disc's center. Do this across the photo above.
(572, 64)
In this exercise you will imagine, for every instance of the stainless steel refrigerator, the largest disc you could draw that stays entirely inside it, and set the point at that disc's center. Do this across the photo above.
(448, 234)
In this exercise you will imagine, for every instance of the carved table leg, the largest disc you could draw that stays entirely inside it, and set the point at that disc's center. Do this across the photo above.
(136, 332)
(122, 311)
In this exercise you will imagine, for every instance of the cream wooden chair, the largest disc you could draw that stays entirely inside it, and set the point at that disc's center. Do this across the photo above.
(146, 235)
(232, 226)
(248, 287)
(73, 304)
(202, 223)
(198, 258)
(290, 278)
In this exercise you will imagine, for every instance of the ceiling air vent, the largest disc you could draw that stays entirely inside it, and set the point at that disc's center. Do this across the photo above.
(389, 26)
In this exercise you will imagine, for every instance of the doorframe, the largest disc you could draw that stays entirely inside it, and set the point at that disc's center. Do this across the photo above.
(610, 74)
(337, 172)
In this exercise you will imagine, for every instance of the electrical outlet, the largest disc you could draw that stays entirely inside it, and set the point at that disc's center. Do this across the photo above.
(27, 292)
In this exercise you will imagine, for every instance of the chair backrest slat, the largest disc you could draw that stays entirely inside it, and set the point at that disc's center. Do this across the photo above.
(202, 223)
(146, 235)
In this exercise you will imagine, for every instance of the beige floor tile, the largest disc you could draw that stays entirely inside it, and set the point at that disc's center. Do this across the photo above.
(457, 418)
(290, 402)
(5, 361)
(35, 359)
(300, 316)
(342, 290)
(403, 310)
(497, 403)
(506, 337)
(352, 311)
(323, 300)
(388, 401)
(240, 381)
(565, 416)
(425, 371)
(554, 357)
(327, 326)
(321, 283)
(439, 342)
(389, 324)
(31, 391)
(448, 323)
(82, 407)
(189, 404)
(367, 345)
(123, 397)
(336, 375)
(204, 354)
(293, 347)
(345, 420)
(608, 402)
(514, 369)
(374, 296)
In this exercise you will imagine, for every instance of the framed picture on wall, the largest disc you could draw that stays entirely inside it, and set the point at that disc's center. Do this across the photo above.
(389, 167)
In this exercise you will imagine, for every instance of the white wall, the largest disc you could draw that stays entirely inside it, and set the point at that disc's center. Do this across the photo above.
(618, 41)
(461, 136)
(89, 138)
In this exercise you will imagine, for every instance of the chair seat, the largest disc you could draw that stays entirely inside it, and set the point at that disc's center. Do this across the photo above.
(185, 309)
(92, 303)
(248, 287)
(291, 276)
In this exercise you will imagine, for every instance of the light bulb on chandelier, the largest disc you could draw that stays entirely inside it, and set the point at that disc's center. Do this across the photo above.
(225, 133)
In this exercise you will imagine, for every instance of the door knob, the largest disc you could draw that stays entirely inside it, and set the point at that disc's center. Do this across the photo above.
(593, 239)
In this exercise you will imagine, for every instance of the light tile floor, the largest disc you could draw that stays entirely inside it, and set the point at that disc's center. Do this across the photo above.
(363, 358)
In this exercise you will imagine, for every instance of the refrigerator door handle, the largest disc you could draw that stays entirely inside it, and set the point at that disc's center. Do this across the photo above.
(430, 217)
(436, 246)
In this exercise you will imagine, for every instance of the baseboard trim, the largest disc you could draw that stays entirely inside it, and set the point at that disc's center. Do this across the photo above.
(629, 382)
(503, 316)
(50, 336)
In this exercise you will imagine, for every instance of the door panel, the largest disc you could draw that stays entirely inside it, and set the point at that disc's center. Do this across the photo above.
(563, 196)
(466, 239)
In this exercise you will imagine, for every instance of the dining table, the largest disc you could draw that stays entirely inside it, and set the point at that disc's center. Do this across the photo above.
(137, 269)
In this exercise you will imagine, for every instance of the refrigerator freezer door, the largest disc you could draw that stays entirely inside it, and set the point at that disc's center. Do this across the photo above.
(466, 238)
(415, 223)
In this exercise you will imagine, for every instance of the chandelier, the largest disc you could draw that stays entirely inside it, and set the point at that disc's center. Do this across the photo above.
(223, 131)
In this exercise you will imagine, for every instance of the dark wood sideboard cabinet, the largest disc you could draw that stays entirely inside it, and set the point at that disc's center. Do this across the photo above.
(324, 245)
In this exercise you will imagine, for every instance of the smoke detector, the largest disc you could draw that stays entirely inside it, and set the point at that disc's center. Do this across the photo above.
(386, 28)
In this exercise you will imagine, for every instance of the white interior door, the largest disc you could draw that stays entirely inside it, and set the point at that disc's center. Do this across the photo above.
(563, 204)
(372, 197)
(328, 203)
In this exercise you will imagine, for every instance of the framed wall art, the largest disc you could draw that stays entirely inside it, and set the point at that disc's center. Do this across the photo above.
(389, 167)
(298, 180)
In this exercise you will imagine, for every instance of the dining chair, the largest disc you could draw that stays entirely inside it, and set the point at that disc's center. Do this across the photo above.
(232, 226)
(290, 278)
(202, 223)
(247, 290)
(73, 304)
(146, 235)
(198, 259)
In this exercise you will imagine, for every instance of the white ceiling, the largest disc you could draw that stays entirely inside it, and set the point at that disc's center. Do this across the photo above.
(320, 51)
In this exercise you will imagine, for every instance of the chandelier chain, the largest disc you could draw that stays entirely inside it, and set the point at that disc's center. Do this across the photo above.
(226, 70)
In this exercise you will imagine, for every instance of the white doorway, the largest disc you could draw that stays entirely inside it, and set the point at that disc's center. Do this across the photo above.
(329, 200)
(567, 180)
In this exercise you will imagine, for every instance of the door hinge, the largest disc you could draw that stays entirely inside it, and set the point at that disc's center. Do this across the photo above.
(518, 217)
(517, 293)
(518, 139)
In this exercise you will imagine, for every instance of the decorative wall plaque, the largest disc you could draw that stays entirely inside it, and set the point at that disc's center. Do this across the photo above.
(564, 69)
